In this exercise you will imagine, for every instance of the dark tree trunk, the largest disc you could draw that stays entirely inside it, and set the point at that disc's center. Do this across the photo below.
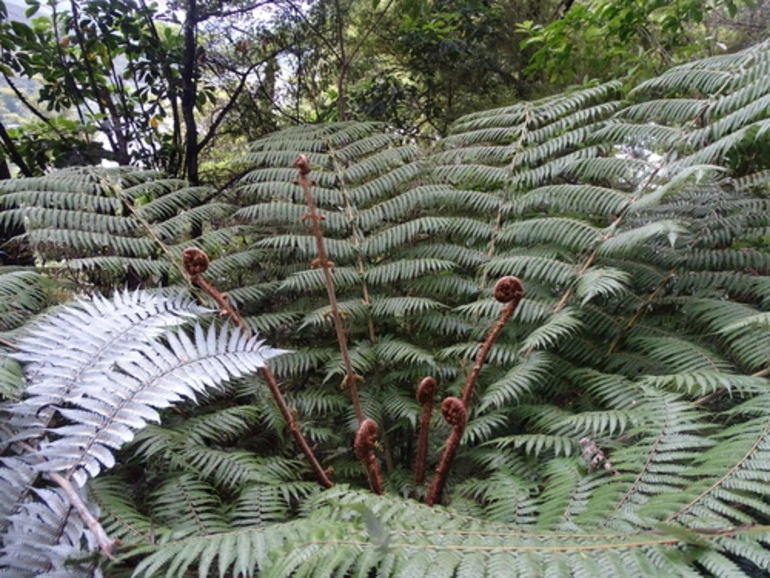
(189, 92)
(13, 152)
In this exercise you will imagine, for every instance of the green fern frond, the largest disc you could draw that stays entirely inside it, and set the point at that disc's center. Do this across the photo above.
(686, 80)
(619, 172)
(288, 215)
(584, 199)
(724, 146)
(305, 246)
(676, 111)
(314, 280)
(527, 268)
(39, 217)
(118, 515)
(404, 270)
(11, 378)
(464, 257)
(569, 233)
(681, 355)
(625, 242)
(473, 176)
(560, 326)
(519, 381)
(22, 294)
(552, 147)
(704, 383)
(601, 282)
(602, 423)
(629, 134)
(352, 309)
(385, 184)
(284, 191)
(258, 505)
(188, 507)
(355, 533)
(554, 170)
(391, 307)
(403, 234)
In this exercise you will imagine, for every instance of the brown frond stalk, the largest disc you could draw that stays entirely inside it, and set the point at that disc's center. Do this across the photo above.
(351, 378)
(196, 262)
(364, 446)
(507, 290)
(426, 391)
(106, 544)
(453, 410)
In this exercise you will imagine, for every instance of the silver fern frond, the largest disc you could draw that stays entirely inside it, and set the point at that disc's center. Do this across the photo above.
(98, 371)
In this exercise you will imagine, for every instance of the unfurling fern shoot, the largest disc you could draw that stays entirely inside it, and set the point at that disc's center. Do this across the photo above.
(196, 263)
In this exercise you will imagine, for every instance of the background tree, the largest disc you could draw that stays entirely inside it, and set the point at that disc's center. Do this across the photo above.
(133, 78)
(126, 81)
(601, 39)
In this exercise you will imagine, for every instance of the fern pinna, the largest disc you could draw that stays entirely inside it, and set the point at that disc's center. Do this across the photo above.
(618, 425)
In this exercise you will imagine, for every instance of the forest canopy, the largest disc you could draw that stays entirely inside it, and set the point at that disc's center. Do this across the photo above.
(181, 86)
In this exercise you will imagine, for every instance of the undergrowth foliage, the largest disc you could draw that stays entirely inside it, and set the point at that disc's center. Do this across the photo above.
(618, 423)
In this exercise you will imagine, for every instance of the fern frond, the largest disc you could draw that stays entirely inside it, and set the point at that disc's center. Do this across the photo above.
(569, 233)
(517, 382)
(359, 534)
(405, 269)
(551, 271)
(154, 377)
(560, 326)
(676, 111)
(97, 374)
(584, 199)
(22, 294)
(601, 282)
(625, 242)
(188, 506)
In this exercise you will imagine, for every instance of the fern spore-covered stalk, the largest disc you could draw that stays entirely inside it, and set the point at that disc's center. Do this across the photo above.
(196, 263)
(351, 377)
(364, 446)
(454, 412)
(426, 391)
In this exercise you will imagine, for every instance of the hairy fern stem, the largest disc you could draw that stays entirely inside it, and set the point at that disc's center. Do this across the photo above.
(507, 290)
(351, 378)
(196, 263)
